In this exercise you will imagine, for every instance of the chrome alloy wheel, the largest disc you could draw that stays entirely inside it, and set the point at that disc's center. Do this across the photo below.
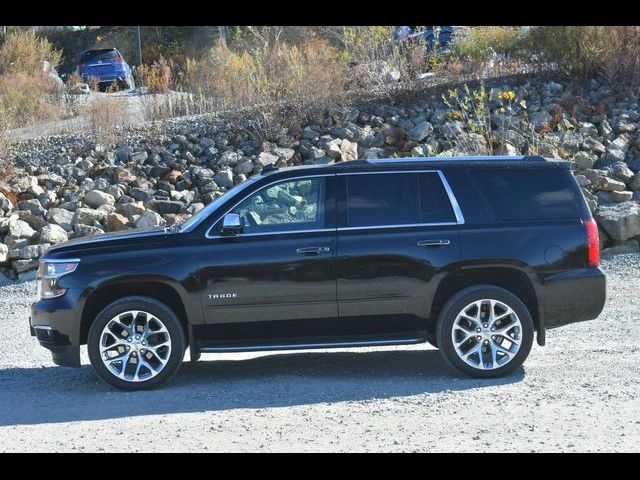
(486, 334)
(135, 346)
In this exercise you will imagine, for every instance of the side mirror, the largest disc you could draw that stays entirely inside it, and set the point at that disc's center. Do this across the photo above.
(231, 224)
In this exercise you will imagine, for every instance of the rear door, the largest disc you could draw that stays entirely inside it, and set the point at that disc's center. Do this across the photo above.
(397, 232)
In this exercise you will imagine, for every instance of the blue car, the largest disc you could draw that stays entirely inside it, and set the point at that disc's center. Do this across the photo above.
(107, 65)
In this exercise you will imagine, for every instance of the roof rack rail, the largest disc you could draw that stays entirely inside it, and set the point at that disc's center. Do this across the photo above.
(269, 168)
(487, 158)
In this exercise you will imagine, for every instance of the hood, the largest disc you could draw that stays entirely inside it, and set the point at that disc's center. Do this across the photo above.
(126, 239)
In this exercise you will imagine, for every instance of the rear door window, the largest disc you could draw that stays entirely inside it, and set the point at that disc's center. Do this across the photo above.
(388, 199)
(527, 194)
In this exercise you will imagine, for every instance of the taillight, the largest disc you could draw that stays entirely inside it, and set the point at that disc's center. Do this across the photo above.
(594, 242)
(119, 59)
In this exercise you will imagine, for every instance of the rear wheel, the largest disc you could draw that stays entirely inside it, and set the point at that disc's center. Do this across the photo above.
(136, 343)
(485, 331)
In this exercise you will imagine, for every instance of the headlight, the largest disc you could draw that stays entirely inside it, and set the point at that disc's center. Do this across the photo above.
(49, 272)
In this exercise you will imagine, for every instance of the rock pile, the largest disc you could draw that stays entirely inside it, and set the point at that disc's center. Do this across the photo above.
(68, 187)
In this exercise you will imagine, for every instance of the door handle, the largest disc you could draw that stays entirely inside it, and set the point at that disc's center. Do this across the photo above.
(433, 243)
(312, 250)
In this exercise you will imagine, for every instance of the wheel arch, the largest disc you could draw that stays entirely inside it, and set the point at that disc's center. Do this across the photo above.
(158, 288)
(514, 279)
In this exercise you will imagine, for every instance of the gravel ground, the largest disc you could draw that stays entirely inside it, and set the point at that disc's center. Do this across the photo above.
(579, 393)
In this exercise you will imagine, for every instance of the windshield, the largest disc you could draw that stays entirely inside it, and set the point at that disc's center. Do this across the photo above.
(194, 221)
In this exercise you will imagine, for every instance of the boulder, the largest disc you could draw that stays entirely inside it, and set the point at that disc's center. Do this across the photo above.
(348, 150)
(97, 198)
(87, 216)
(52, 233)
(61, 217)
(620, 221)
(116, 222)
(420, 132)
(20, 229)
(149, 219)
(29, 252)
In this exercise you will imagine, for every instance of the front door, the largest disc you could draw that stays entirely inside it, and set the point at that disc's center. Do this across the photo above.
(275, 279)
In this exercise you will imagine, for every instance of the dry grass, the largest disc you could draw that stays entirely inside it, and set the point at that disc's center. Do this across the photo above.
(27, 94)
(583, 52)
(105, 116)
(157, 77)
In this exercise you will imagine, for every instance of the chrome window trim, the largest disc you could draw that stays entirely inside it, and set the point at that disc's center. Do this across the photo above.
(302, 177)
(452, 201)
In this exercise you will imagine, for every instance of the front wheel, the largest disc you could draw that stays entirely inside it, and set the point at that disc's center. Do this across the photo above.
(485, 331)
(136, 343)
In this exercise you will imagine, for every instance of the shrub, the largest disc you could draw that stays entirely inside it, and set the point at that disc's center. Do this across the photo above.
(582, 52)
(156, 77)
(497, 119)
(26, 92)
(476, 47)
(23, 51)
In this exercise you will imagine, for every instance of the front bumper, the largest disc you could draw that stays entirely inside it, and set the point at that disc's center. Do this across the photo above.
(572, 296)
(55, 323)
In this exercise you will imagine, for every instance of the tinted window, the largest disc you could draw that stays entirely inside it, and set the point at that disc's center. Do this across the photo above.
(435, 206)
(527, 194)
(109, 54)
(294, 205)
(396, 199)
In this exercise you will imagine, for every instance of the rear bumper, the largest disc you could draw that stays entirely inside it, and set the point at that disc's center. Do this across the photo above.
(105, 77)
(572, 296)
(56, 325)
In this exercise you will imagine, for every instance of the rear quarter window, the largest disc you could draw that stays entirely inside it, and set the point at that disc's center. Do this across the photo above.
(528, 194)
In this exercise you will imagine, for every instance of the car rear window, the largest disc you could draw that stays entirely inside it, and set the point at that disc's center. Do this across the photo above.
(396, 199)
(528, 194)
(109, 54)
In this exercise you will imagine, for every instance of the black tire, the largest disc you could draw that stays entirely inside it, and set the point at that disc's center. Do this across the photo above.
(163, 313)
(459, 301)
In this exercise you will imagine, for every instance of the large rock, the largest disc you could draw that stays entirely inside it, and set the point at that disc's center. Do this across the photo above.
(149, 219)
(4, 251)
(584, 160)
(620, 221)
(265, 159)
(20, 229)
(87, 216)
(97, 198)
(349, 150)
(224, 178)
(61, 217)
(420, 132)
(34, 206)
(131, 209)
(29, 252)
(52, 233)
(116, 222)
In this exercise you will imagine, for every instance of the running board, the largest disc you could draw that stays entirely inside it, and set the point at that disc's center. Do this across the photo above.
(308, 345)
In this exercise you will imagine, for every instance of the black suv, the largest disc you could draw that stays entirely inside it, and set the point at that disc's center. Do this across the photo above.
(472, 255)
